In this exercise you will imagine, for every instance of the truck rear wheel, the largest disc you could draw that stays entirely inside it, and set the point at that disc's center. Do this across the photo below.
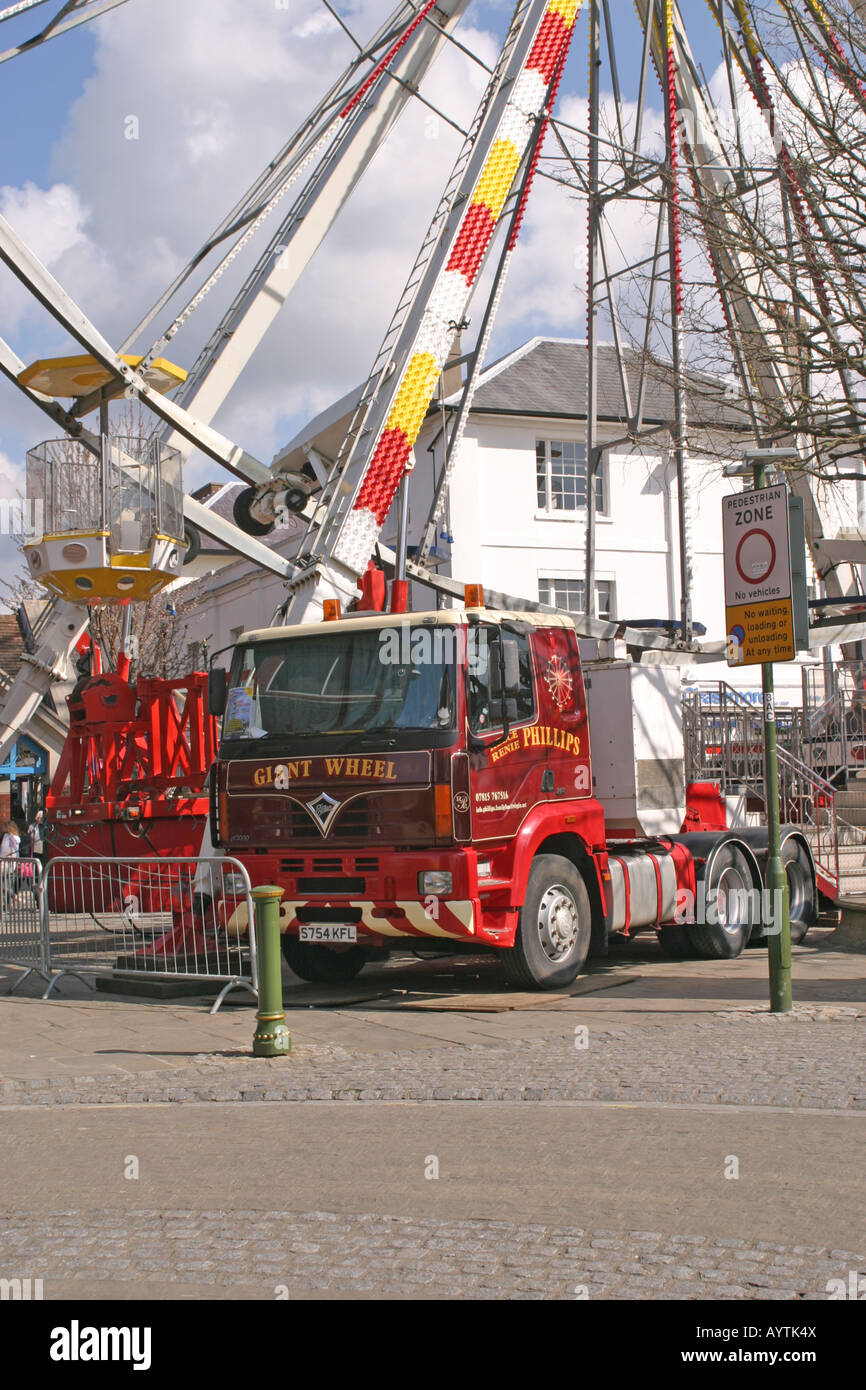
(802, 891)
(554, 929)
(322, 964)
(729, 902)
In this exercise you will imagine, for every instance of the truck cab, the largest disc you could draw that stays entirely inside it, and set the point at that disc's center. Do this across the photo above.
(416, 779)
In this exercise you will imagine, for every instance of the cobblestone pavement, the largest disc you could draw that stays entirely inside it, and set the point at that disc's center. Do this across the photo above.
(729, 1053)
(272, 1254)
(812, 1059)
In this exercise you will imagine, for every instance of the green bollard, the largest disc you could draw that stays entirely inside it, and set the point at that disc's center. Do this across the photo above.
(272, 1038)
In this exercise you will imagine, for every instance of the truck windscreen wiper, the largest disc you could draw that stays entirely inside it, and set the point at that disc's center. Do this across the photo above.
(384, 738)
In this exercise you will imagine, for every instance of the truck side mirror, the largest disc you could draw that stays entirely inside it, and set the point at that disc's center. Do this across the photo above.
(217, 690)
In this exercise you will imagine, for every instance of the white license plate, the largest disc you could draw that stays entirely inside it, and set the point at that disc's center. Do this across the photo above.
(328, 931)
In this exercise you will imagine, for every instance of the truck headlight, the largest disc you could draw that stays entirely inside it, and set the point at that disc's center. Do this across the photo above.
(234, 883)
(435, 881)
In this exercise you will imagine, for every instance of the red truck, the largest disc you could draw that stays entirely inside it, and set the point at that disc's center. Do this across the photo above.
(426, 781)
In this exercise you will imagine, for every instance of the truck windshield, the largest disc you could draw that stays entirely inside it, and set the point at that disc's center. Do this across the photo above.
(343, 683)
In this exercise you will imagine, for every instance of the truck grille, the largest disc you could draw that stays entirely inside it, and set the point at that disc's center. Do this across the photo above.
(340, 915)
(338, 864)
(352, 822)
(343, 886)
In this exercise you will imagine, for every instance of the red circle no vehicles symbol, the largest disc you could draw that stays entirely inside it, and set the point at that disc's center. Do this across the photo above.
(756, 557)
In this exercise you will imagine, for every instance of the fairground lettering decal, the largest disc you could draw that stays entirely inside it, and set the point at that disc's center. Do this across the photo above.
(280, 775)
(537, 736)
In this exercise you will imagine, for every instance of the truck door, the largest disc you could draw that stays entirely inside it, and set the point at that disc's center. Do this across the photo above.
(506, 774)
(563, 727)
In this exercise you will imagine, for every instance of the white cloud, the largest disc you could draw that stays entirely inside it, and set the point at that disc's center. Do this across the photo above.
(210, 132)
(51, 220)
(317, 23)
(212, 107)
(10, 476)
(215, 88)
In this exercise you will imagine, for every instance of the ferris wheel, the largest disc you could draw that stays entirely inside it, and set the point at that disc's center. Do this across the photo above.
(734, 178)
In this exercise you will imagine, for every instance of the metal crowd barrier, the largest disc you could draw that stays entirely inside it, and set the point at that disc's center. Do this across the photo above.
(154, 918)
(20, 921)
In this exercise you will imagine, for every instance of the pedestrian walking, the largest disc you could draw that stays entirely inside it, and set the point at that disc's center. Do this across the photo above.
(35, 831)
(11, 842)
(9, 847)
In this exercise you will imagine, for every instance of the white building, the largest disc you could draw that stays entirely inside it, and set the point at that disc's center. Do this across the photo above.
(515, 518)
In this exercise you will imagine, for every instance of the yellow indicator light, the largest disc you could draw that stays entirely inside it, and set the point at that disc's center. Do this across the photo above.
(473, 596)
(331, 610)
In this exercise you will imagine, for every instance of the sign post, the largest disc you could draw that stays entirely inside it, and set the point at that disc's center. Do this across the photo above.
(760, 625)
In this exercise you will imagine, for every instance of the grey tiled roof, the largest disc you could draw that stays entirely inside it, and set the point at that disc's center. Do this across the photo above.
(223, 501)
(220, 499)
(551, 379)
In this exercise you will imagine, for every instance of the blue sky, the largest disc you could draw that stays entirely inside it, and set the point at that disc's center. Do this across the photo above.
(114, 220)
(36, 92)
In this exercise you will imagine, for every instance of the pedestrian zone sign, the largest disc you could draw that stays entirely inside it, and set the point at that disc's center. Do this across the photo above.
(759, 605)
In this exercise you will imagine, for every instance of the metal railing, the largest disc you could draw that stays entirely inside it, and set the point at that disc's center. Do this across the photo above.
(809, 800)
(724, 737)
(834, 718)
(179, 919)
(20, 920)
(724, 743)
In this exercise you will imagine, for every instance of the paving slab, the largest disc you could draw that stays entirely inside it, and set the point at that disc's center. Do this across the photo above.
(77, 1032)
(582, 1144)
(605, 1202)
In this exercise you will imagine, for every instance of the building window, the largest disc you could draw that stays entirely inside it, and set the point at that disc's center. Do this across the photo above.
(567, 594)
(560, 471)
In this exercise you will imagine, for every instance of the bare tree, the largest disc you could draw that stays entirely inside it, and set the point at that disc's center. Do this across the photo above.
(20, 589)
(786, 241)
(773, 258)
(159, 630)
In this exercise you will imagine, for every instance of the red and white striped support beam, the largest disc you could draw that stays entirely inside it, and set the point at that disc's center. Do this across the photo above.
(452, 291)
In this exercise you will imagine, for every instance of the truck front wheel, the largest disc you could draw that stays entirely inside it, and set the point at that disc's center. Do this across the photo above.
(322, 964)
(554, 929)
